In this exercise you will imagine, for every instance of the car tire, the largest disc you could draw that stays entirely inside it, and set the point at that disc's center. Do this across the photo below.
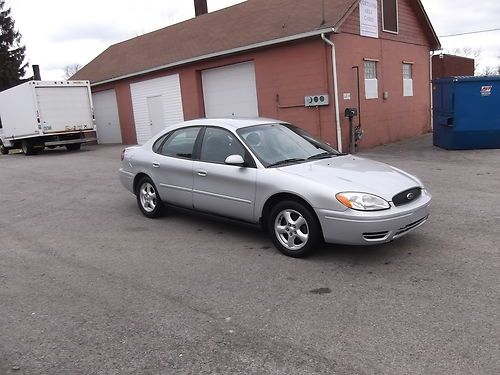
(148, 199)
(294, 229)
(73, 146)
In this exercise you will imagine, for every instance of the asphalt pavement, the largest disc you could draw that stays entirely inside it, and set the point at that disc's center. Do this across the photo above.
(90, 286)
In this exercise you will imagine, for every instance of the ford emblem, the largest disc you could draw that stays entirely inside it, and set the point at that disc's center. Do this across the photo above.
(410, 196)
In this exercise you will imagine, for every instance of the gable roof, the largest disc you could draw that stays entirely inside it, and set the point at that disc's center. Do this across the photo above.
(248, 25)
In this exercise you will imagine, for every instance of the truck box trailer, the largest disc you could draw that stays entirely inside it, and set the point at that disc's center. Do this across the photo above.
(39, 114)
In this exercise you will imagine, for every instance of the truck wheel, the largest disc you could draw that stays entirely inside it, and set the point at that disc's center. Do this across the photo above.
(28, 148)
(3, 150)
(73, 146)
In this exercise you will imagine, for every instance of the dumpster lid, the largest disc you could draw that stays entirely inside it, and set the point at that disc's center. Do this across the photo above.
(466, 79)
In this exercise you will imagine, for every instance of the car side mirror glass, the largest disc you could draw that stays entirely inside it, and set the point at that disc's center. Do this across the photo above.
(235, 160)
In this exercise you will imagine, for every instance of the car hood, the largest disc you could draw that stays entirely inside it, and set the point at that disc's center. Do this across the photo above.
(352, 173)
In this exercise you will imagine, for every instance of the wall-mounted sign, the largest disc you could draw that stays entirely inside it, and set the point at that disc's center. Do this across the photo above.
(347, 96)
(368, 18)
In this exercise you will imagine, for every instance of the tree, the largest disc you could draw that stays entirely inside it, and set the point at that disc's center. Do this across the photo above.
(12, 65)
(491, 71)
(70, 70)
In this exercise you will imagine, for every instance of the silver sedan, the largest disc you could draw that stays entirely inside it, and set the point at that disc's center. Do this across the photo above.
(301, 190)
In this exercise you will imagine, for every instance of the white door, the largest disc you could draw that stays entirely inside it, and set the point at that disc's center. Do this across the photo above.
(167, 91)
(155, 110)
(230, 91)
(106, 117)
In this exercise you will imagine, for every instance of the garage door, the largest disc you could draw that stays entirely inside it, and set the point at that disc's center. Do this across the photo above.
(230, 91)
(106, 117)
(157, 103)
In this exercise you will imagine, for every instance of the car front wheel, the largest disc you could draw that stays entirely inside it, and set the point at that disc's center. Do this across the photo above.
(148, 198)
(294, 229)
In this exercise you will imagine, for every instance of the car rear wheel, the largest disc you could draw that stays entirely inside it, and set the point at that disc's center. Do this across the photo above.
(294, 229)
(148, 198)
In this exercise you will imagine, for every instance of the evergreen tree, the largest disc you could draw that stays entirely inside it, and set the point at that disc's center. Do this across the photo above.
(12, 66)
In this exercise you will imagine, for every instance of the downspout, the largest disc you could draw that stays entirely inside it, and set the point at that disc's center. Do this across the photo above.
(431, 89)
(335, 89)
(431, 98)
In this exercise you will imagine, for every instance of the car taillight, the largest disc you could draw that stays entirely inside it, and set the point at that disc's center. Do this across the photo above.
(123, 154)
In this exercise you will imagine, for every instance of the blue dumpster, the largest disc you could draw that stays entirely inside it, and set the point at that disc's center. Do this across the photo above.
(466, 112)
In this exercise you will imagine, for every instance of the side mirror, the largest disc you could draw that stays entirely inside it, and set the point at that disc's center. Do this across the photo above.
(235, 160)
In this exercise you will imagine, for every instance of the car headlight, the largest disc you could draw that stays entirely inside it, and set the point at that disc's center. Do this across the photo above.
(362, 201)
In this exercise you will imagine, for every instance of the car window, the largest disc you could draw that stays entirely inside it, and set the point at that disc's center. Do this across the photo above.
(180, 143)
(275, 143)
(159, 142)
(218, 144)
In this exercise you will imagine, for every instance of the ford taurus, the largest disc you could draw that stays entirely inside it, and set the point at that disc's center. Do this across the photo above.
(301, 190)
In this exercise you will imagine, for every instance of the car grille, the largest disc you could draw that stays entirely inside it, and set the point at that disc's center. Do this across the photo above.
(406, 196)
(409, 227)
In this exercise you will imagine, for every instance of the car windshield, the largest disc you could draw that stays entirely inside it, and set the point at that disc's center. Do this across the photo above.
(280, 144)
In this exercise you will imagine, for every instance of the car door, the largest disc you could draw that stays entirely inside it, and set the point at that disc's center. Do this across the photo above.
(219, 188)
(173, 166)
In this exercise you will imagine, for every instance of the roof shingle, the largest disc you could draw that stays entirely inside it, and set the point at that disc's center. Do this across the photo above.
(244, 24)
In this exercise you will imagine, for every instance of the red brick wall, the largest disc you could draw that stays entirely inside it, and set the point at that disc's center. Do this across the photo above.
(450, 66)
(398, 117)
(287, 73)
(410, 29)
(290, 73)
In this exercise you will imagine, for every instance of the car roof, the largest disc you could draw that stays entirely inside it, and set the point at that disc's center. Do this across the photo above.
(230, 123)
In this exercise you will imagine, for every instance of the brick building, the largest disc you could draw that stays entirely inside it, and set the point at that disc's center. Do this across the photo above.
(270, 58)
(444, 65)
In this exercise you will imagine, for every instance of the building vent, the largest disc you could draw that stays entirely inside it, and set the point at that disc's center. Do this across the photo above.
(316, 100)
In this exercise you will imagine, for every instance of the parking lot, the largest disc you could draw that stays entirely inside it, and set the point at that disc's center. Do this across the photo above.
(90, 286)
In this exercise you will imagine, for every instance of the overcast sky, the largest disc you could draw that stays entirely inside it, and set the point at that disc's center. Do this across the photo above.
(58, 33)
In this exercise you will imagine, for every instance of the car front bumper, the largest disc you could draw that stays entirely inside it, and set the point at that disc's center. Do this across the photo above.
(352, 227)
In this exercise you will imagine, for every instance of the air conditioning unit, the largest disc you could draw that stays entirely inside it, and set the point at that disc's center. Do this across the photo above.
(316, 100)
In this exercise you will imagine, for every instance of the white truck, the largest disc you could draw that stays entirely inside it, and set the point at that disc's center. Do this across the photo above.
(39, 114)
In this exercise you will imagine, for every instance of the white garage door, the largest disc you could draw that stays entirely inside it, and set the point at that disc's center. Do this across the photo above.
(106, 117)
(157, 103)
(230, 91)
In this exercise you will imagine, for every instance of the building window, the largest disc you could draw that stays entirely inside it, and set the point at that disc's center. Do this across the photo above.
(371, 82)
(407, 79)
(390, 16)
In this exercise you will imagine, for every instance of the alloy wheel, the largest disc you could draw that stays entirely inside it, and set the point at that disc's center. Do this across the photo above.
(291, 229)
(148, 197)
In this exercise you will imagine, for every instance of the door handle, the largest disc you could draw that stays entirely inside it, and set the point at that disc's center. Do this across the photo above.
(202, 173)
(156, 165)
